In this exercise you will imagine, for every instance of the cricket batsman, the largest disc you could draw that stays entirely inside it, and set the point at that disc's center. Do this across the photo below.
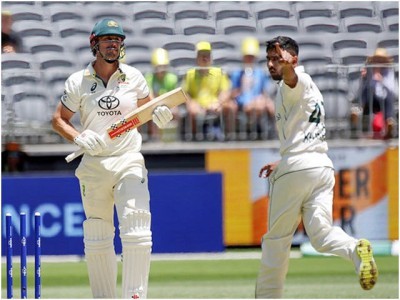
(113, 173)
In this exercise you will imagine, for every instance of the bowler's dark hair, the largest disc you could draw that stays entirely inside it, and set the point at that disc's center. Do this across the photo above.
(286, 43)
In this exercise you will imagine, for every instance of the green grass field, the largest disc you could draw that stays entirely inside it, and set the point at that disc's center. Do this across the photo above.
(310, 277)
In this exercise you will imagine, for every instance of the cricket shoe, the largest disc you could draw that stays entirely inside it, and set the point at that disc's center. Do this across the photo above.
(368, 271)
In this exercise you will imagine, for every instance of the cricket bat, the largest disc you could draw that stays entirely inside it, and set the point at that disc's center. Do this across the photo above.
(139, 116)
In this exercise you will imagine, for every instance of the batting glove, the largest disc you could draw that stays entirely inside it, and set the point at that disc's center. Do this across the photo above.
(161, 116)
(91, 142)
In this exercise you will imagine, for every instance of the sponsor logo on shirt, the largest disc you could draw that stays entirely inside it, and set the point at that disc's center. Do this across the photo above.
(109, 104)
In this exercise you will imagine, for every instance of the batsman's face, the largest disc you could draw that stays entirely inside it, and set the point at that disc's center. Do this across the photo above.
(274, 67)
(110, 46)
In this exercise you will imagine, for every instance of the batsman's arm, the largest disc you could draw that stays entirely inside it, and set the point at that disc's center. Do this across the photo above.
(61, 123)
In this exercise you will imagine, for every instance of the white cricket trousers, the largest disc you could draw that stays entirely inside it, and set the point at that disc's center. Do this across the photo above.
(306, 194)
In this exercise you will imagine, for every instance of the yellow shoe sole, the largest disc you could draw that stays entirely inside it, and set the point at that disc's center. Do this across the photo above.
(368, 272)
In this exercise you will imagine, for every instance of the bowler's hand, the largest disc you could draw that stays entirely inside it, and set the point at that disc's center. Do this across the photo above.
(267, 170)
(161, 116)
(91, 142)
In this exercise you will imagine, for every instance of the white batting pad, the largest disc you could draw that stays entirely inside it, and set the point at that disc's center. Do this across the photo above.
(100, 257)
(136, 247)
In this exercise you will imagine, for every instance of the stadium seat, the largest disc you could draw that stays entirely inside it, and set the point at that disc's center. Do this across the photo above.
(315, 9)
(320, 24)
(279, 9)
(32, 112)
(223, 10)
(346, 40)
(24, 12)
(33, 28)
(183, 10)
(278, 25)
(387, 8)
(194, 26)
(222, 41)
(148, 10)
(177, 42)
(132, 44)
(55, 60)
(355, 8)
(63, 11)
(227, 59)
(352, 55)
(139, 59)
(12, 77)
(391, 23)
(37, 44)
(387, 40)
(315, 57)
(11, 61)
(182, 59)
(21, 91)
(394, 53)
(97, 11)
(236, 25)
(149, 26)
(362, 24)
(66, 28)
(311, 41)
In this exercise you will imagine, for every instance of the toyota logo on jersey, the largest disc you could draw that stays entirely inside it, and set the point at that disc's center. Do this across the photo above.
(109, 102)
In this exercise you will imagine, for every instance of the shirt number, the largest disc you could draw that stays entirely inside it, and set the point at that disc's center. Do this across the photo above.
(315, 115)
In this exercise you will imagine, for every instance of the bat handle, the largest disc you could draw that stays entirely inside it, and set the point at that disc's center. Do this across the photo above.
(74, 155)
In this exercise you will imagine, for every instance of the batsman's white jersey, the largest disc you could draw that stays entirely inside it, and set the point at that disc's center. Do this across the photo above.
(101, 106)
(300, 117)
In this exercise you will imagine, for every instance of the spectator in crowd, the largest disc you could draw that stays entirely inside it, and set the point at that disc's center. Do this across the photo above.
(208, 90)
(13, 159)
(378, 92)
(250, 89)
(160, 81)
(10, 41)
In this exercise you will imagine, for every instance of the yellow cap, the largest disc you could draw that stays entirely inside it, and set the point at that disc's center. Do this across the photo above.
(203, 46)
(159, 57)
(250, 46)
